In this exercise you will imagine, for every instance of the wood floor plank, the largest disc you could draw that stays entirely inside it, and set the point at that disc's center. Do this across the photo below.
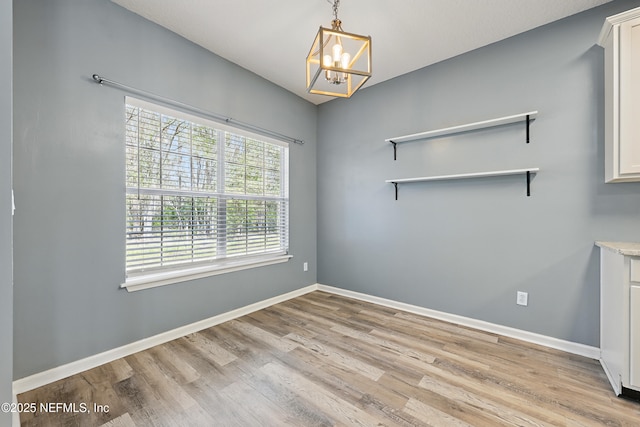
(409, 341)
(481, 385)
(338, 357)
(164, 386)
(342, 411)
(216, 353)
(219, 407)
(501, 413)
(432, 416)
(262, 335)
(453, 329)
(141, 403)
(264, 411)
(278, 322)
(176, 367)
(122, 421)
(408, 354)
(290, 404)
(327, 360)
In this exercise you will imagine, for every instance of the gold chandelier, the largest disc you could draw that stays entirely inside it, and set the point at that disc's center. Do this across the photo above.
(342, 59)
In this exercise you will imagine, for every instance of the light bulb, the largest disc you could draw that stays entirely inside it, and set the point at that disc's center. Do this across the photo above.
(327, 61)
(337, 52)
(345, 60)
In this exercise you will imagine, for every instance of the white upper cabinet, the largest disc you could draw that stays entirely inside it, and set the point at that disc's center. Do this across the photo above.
(620, 37)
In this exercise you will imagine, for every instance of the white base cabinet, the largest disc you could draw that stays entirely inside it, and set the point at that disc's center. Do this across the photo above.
(620, 315)
(620, 37)
(634, 345)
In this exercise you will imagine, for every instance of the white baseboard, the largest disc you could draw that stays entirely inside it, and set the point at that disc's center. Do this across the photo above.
(38, 380)
(558, 344)
(43, 378)
(615, 384)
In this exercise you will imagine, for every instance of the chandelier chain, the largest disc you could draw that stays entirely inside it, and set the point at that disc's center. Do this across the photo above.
(336, 5)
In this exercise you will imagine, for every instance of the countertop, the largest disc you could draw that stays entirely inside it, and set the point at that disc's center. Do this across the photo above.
(623, 248)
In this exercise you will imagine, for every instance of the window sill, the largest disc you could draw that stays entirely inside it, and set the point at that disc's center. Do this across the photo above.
(146, 281)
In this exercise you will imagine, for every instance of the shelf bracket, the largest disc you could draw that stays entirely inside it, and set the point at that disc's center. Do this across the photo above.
(395, 184)
(528, 122)
(528, 183)
(395, 146)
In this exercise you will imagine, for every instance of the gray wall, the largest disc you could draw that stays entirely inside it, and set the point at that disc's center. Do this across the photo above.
(69, 178)
(462, 247)
(466, 247)
(6, 269)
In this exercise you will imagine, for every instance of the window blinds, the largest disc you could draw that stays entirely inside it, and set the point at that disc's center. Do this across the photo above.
(198, 192)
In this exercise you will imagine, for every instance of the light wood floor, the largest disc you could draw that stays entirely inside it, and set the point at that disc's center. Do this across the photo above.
(325, 360)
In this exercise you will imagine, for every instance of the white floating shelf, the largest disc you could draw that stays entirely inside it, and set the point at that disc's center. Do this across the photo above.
(464, 128)
(464, 175)
(527, 171)
(526, 117)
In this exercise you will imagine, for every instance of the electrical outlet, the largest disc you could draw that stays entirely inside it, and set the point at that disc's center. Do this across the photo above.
(305, 266)
(522, 298)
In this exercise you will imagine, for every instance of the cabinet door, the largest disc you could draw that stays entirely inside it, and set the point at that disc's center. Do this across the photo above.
(630, 96)
(634, 332)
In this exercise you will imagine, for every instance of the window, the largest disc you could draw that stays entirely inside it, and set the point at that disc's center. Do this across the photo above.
(201, 197)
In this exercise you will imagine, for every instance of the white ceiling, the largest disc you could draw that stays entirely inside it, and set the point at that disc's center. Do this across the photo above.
(272, 38)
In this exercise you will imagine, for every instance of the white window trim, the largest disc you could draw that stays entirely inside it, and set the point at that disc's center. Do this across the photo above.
(145, 280)
(153, 280)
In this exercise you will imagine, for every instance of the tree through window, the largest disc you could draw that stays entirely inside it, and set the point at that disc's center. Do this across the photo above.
(198, 192)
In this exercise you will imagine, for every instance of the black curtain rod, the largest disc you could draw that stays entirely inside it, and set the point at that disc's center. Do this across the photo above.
(217, 117)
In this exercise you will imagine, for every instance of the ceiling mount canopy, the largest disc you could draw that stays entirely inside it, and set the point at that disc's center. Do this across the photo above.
(338, 63)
